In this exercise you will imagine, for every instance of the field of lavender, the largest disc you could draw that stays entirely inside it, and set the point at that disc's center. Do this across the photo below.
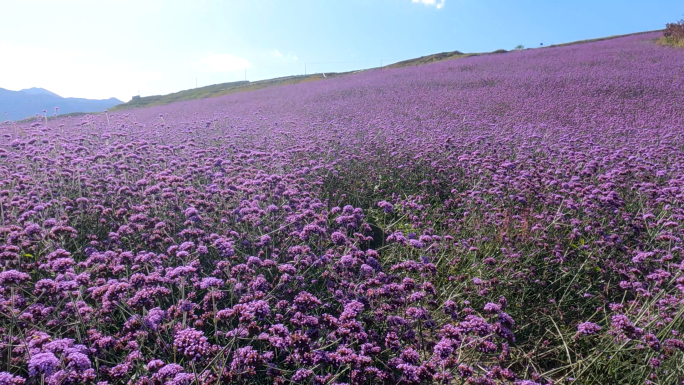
(503, 219)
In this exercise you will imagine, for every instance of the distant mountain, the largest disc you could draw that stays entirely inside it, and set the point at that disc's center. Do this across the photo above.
(17, 105)
(38, 91)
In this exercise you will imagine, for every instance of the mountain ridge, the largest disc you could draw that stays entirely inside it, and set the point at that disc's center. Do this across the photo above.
(26, 103)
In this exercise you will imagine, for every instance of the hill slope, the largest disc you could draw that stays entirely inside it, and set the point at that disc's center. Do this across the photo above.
(219, 89)
(240, 86)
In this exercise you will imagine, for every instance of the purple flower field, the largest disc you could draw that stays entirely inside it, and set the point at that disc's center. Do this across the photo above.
(504, 219)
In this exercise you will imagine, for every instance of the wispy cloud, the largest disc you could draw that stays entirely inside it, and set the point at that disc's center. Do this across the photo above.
(281, 57)
(439, 4)
(222, 62)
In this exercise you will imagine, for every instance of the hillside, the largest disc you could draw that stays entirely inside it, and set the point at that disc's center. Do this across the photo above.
(220, 89)
(241, 86)
(16, 105)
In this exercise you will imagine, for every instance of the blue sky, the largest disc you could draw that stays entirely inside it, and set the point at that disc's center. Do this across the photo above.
(99, 49)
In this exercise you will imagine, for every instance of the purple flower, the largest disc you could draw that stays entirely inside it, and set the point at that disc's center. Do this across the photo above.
(154, 365)
(450, 308)
(265, 240)
(338, 238)
(167, 371)
(154, 318)
(244, 363)
(386, 206)
(621, 323)
(190, 212)
(588, 328)
(492, 307)
(351, 310)
(42, 364)
(180, 271)
(652, 341)
(301, 375)
(209, 282)
(417, 313)
(305, 301)
(192, 344)
(13, 277)
(78, 361)
(416, 243)
(9, 379)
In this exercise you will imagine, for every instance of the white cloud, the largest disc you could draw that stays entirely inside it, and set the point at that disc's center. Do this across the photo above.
(279, 57)
(439, 4)
(222, 62)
